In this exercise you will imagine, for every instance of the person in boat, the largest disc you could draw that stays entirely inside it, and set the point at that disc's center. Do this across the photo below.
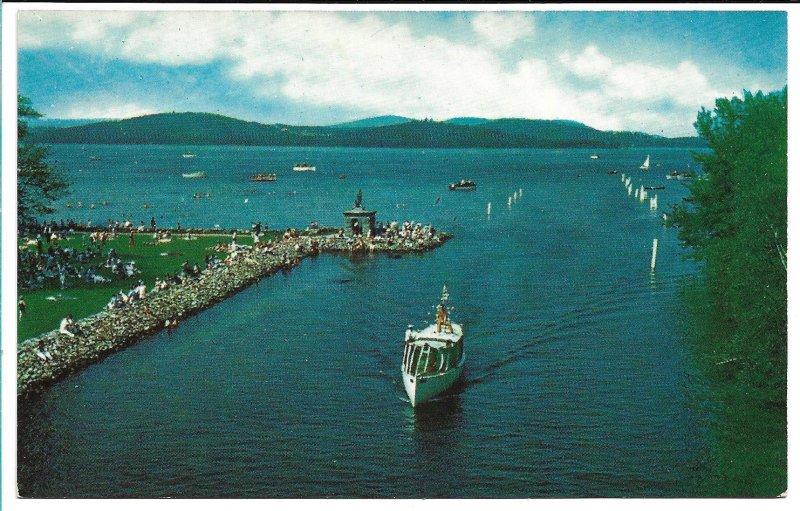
(442, 319)
(409, 333)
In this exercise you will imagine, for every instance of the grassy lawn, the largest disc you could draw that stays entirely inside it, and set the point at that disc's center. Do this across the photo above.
(82, 299)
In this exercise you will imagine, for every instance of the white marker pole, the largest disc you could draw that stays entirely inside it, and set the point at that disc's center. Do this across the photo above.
(509, 202)
(515, 196)
(489, 209)
(653, 258)
(520, 193)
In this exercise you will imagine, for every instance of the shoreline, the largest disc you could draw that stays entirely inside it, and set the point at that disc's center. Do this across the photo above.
(109, 331)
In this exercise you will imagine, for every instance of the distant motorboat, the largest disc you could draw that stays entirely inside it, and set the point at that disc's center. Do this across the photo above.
(466, 185)
(646, 164)
(659, 187)
(594, 157)
(94, 158)
(189, 155)
(304, 167)
(195, 175)
(681, 176)
(263, 178)
(433, 358)
(611, 172)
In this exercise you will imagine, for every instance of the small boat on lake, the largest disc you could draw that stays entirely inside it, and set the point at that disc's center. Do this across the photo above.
(189, 155)
(659, 187)
(195, 175)
(594, 157)
(646, 164)
(94, 158)
(465, 185)
(681, 176)
(611, 172)
(263, 178)
(433, 358)
(304, 167)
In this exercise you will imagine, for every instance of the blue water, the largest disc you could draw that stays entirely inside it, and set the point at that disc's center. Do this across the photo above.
(577, 378)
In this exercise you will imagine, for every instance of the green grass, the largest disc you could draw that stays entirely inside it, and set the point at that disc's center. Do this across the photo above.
(83, 299)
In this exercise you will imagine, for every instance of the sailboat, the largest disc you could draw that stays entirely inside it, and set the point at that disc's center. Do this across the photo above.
(433, 358)
(646, 164)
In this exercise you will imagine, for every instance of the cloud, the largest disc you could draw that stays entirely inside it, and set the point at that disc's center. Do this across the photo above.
(370, 64)
(503, 29)
(107, 109)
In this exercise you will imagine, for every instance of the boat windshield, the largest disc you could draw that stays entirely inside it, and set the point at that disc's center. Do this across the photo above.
(425, 359)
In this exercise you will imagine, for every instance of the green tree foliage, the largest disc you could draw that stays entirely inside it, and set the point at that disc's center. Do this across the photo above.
(38, 184)
(736, 227)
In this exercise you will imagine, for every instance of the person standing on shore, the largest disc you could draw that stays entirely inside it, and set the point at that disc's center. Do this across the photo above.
(153, 223)
(21, 305)
(131, 240)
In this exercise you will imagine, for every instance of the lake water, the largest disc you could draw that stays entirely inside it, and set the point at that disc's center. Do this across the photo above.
(578, 377)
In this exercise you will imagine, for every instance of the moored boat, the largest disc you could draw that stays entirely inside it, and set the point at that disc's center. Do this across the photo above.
(466, 185)
(646, 164)
(189, 155)
(594, 157)
(658, 187)
(263, 178)
(304, 167)
(194, 175)
(433, 358)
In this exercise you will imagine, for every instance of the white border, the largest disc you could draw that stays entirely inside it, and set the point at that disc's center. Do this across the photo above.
(9, 86)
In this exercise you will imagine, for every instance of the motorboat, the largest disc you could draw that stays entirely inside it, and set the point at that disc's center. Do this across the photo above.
(263, 178)
(466, 185)
(189, 155)
(433, 358)
(681, 176)
(304, 167)
(195, 175)
(594, 157)
(659, 187)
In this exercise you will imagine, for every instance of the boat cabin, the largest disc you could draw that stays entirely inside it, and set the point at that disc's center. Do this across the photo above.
(429, 352)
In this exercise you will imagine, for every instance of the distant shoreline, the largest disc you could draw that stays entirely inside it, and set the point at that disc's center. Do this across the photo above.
(203, 129)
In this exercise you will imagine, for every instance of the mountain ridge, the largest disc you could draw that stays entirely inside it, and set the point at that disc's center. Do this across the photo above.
(200, 128)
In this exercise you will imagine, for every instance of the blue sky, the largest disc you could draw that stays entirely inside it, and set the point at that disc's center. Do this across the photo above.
(645, 71)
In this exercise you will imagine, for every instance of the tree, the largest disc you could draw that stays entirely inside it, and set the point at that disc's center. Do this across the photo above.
(38, 184)
(735, 225)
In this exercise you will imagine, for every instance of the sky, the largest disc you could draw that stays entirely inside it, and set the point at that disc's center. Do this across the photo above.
(640, 71)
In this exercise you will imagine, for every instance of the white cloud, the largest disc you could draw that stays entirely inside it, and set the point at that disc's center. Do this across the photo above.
(106, 109)
(503, 29)
(370, 65)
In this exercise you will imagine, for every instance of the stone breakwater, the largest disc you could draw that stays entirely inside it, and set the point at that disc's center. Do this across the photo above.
(112, 330)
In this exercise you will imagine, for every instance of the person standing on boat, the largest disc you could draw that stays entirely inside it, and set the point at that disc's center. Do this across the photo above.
(409, 333)
(442, 318)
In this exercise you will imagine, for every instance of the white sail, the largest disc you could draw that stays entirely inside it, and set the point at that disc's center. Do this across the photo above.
(646, 164)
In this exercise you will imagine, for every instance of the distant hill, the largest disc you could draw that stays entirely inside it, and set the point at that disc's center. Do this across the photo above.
(374, 122)
(467, 121)
(212, 129)
(44, 122)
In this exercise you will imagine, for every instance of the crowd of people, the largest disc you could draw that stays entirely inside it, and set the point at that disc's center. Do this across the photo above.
(38, 267)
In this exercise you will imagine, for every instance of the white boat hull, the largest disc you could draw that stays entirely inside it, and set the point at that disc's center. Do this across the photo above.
(423, 388)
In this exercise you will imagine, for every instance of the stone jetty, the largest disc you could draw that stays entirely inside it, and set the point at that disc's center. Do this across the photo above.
(109, 331)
